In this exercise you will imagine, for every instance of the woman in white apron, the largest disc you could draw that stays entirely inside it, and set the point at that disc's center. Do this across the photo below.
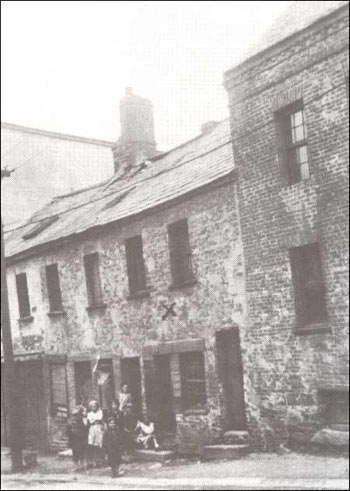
(95, 439)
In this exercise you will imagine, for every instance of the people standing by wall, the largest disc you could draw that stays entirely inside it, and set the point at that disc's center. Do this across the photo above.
(112, 444)
(77, 432)
(95, 439)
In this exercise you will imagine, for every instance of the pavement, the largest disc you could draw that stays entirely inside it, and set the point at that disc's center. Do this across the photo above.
(256, 471)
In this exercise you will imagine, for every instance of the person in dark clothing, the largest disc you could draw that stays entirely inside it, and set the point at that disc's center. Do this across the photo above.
(77, 433)
(114, 412)
(112, 444)
(129, 423)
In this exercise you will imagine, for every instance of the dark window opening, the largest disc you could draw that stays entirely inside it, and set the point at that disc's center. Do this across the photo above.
(59, 392)
(93, 280)
(83, 382)
(23, 295)
(180, 252)
(193, 380)
(54, 288)
(308, 283)
(135, 264)
(292, 135)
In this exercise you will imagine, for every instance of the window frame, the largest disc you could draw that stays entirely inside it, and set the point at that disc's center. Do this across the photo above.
(54, 291)
(135, 263)
(298, 257)
(180, 250)
(187, 384)
(93, 280)
(55, 405)
(288, 148)
(24, 309)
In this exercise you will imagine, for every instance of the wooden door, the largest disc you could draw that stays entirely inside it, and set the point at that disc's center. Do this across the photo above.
(131, 375)
(230, 369)
(32, 404)
(166, 417)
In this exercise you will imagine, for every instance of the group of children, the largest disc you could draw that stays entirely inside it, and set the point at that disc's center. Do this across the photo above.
(94, 434)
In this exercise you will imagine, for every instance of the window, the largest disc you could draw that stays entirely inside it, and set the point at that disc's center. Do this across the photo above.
(53, 288)
(193, 380)
(180, 252)
(93, 281)
(135, 264)
(308, 284)
(23, 296)
(292, 136)
(59, 393)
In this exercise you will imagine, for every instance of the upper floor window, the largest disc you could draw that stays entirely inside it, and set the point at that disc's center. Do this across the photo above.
(135, 264)
(292, 134)
(23, 295)
(180, 252)
(93, 280)
(54, 288)
(309, 290)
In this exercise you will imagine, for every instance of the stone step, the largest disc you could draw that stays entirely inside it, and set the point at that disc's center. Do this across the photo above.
(236, 437)
(228, 452)
(152, 455)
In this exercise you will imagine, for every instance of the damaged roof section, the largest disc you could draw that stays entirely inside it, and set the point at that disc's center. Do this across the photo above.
(197, 163)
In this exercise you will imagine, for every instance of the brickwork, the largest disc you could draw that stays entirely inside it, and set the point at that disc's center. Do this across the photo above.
(283, 370)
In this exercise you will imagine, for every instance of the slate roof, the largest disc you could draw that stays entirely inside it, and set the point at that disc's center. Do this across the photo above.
(297, 16)
(190, 166)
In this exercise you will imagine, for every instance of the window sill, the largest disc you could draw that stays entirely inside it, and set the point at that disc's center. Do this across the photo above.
(98, 306)
(139, 295)
(183, 284)
(26, 320)
(57, 313)
(313, 329)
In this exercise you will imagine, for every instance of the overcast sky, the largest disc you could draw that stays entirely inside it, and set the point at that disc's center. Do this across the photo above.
(64, 65)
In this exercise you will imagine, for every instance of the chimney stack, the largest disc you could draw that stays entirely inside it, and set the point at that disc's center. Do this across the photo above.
(137, 142)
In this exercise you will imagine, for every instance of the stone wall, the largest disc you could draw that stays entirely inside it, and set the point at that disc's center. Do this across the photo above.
(124, 326)
(283, 370)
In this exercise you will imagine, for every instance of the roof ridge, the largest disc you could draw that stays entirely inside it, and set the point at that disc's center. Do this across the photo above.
(56, 134)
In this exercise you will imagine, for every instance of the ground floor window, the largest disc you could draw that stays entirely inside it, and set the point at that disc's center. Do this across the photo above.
(193, 387)
(59, 393)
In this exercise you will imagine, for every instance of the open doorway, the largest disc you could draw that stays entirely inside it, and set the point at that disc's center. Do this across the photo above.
(230, 369)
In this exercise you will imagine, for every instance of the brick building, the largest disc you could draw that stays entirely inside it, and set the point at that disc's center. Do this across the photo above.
(218, 290)
(144, 270)
(290, 122)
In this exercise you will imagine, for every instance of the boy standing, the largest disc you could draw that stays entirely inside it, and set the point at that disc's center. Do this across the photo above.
(112, 442)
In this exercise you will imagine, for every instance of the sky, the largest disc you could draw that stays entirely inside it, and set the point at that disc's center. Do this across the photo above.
(65, 65)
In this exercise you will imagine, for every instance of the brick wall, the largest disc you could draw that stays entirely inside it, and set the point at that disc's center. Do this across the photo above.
(283, 370)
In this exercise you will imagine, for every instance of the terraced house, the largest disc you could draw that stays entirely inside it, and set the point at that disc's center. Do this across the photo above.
(213, 278)
(145, 271)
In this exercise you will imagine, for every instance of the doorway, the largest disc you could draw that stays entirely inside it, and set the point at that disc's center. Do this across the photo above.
(229, 360)
(166, 417)
(30, 380)
(131, 375)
